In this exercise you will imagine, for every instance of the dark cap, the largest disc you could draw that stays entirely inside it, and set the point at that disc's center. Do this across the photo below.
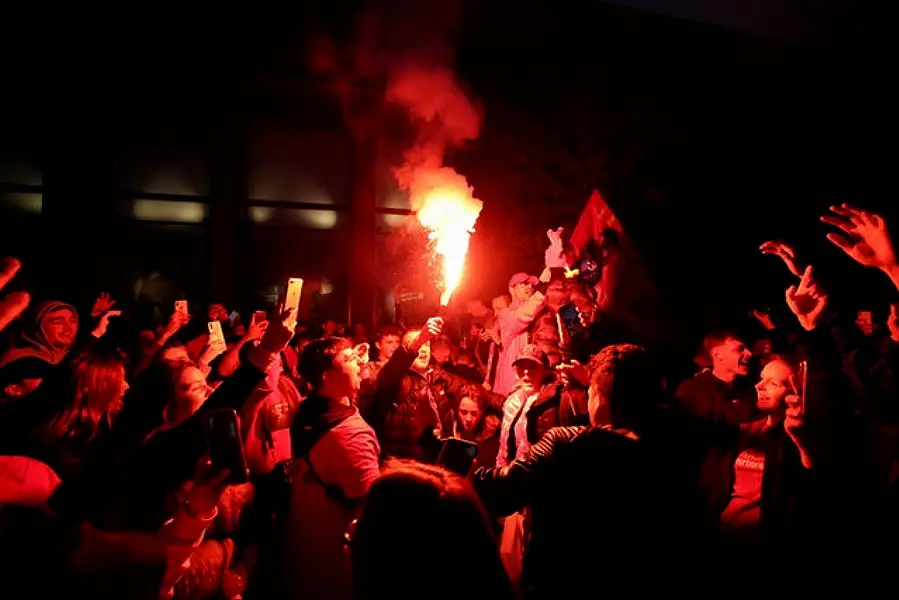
(520, 278)
(533, 354)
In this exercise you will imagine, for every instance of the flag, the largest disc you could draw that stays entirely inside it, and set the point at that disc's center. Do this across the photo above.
(625, 291)
(597, 216)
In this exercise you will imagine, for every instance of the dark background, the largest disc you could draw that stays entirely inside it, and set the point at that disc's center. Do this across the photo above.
(708, 131)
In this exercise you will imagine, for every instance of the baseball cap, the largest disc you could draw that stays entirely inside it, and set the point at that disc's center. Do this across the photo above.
(533, 354)
(520, 278)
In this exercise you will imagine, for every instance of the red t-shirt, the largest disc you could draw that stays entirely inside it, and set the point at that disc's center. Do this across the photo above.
(740, 518)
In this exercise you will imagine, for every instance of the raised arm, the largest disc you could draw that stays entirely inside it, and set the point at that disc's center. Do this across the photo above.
(509, 489)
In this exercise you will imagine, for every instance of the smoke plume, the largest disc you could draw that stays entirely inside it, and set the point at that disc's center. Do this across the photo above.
(445, 118)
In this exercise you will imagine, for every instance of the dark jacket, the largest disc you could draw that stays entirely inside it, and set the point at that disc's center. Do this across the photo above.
(599, 499)
(400, 411)
(803, 507)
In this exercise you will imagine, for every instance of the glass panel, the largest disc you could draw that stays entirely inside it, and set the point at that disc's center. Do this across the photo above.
(394, 198)
(21, 202)
(166, 165)
(289, 165)
(19, 170)
(169, 211)
(296, 217)
(389, 221)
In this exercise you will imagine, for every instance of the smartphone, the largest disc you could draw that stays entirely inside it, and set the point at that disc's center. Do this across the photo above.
(225, 445)
(234, 317)
(181, 306)
(571, 318)
(292, 297)
(294, 289)
(457, 456)
(260, 316)
(803, 382)
(215, 331)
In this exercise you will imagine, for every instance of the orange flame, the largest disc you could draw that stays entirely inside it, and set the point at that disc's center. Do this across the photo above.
(449, 211)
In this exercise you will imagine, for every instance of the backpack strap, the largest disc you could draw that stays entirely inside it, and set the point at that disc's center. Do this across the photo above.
(311, 423)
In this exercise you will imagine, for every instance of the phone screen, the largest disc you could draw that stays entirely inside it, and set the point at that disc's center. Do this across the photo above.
(225, 445)
(292, 297)
(215, 331)
(294, 291)
(571, 318)
(803, 382)
(457, 456)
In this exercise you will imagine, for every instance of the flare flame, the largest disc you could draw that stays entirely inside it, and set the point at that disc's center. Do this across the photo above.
(449, 211)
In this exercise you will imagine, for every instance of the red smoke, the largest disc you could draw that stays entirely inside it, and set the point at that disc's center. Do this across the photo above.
(443, 113)
(441, 197)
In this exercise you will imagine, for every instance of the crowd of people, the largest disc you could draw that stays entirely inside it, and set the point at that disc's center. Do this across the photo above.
(772, 467)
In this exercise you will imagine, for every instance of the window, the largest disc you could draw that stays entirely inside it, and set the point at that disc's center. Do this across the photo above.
(167, 211)
(17, 169)
(306, 167)
(174, 161)
(20, 202)
(388, 221)
(296, 217)
(394, 199)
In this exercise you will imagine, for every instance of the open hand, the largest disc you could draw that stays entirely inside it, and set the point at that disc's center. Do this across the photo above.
(865, 237)
(102, 304)
(784, 252)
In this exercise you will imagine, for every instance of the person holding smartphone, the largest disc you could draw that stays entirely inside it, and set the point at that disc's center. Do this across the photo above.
(335, 461)
(783, 490)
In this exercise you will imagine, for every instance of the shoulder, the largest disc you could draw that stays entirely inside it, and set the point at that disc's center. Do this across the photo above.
(350, 435)
(696, 380)
(350, 428)
(558, 437)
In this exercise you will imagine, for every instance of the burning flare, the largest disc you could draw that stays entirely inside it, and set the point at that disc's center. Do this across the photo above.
(442, 199)
(447, 209)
